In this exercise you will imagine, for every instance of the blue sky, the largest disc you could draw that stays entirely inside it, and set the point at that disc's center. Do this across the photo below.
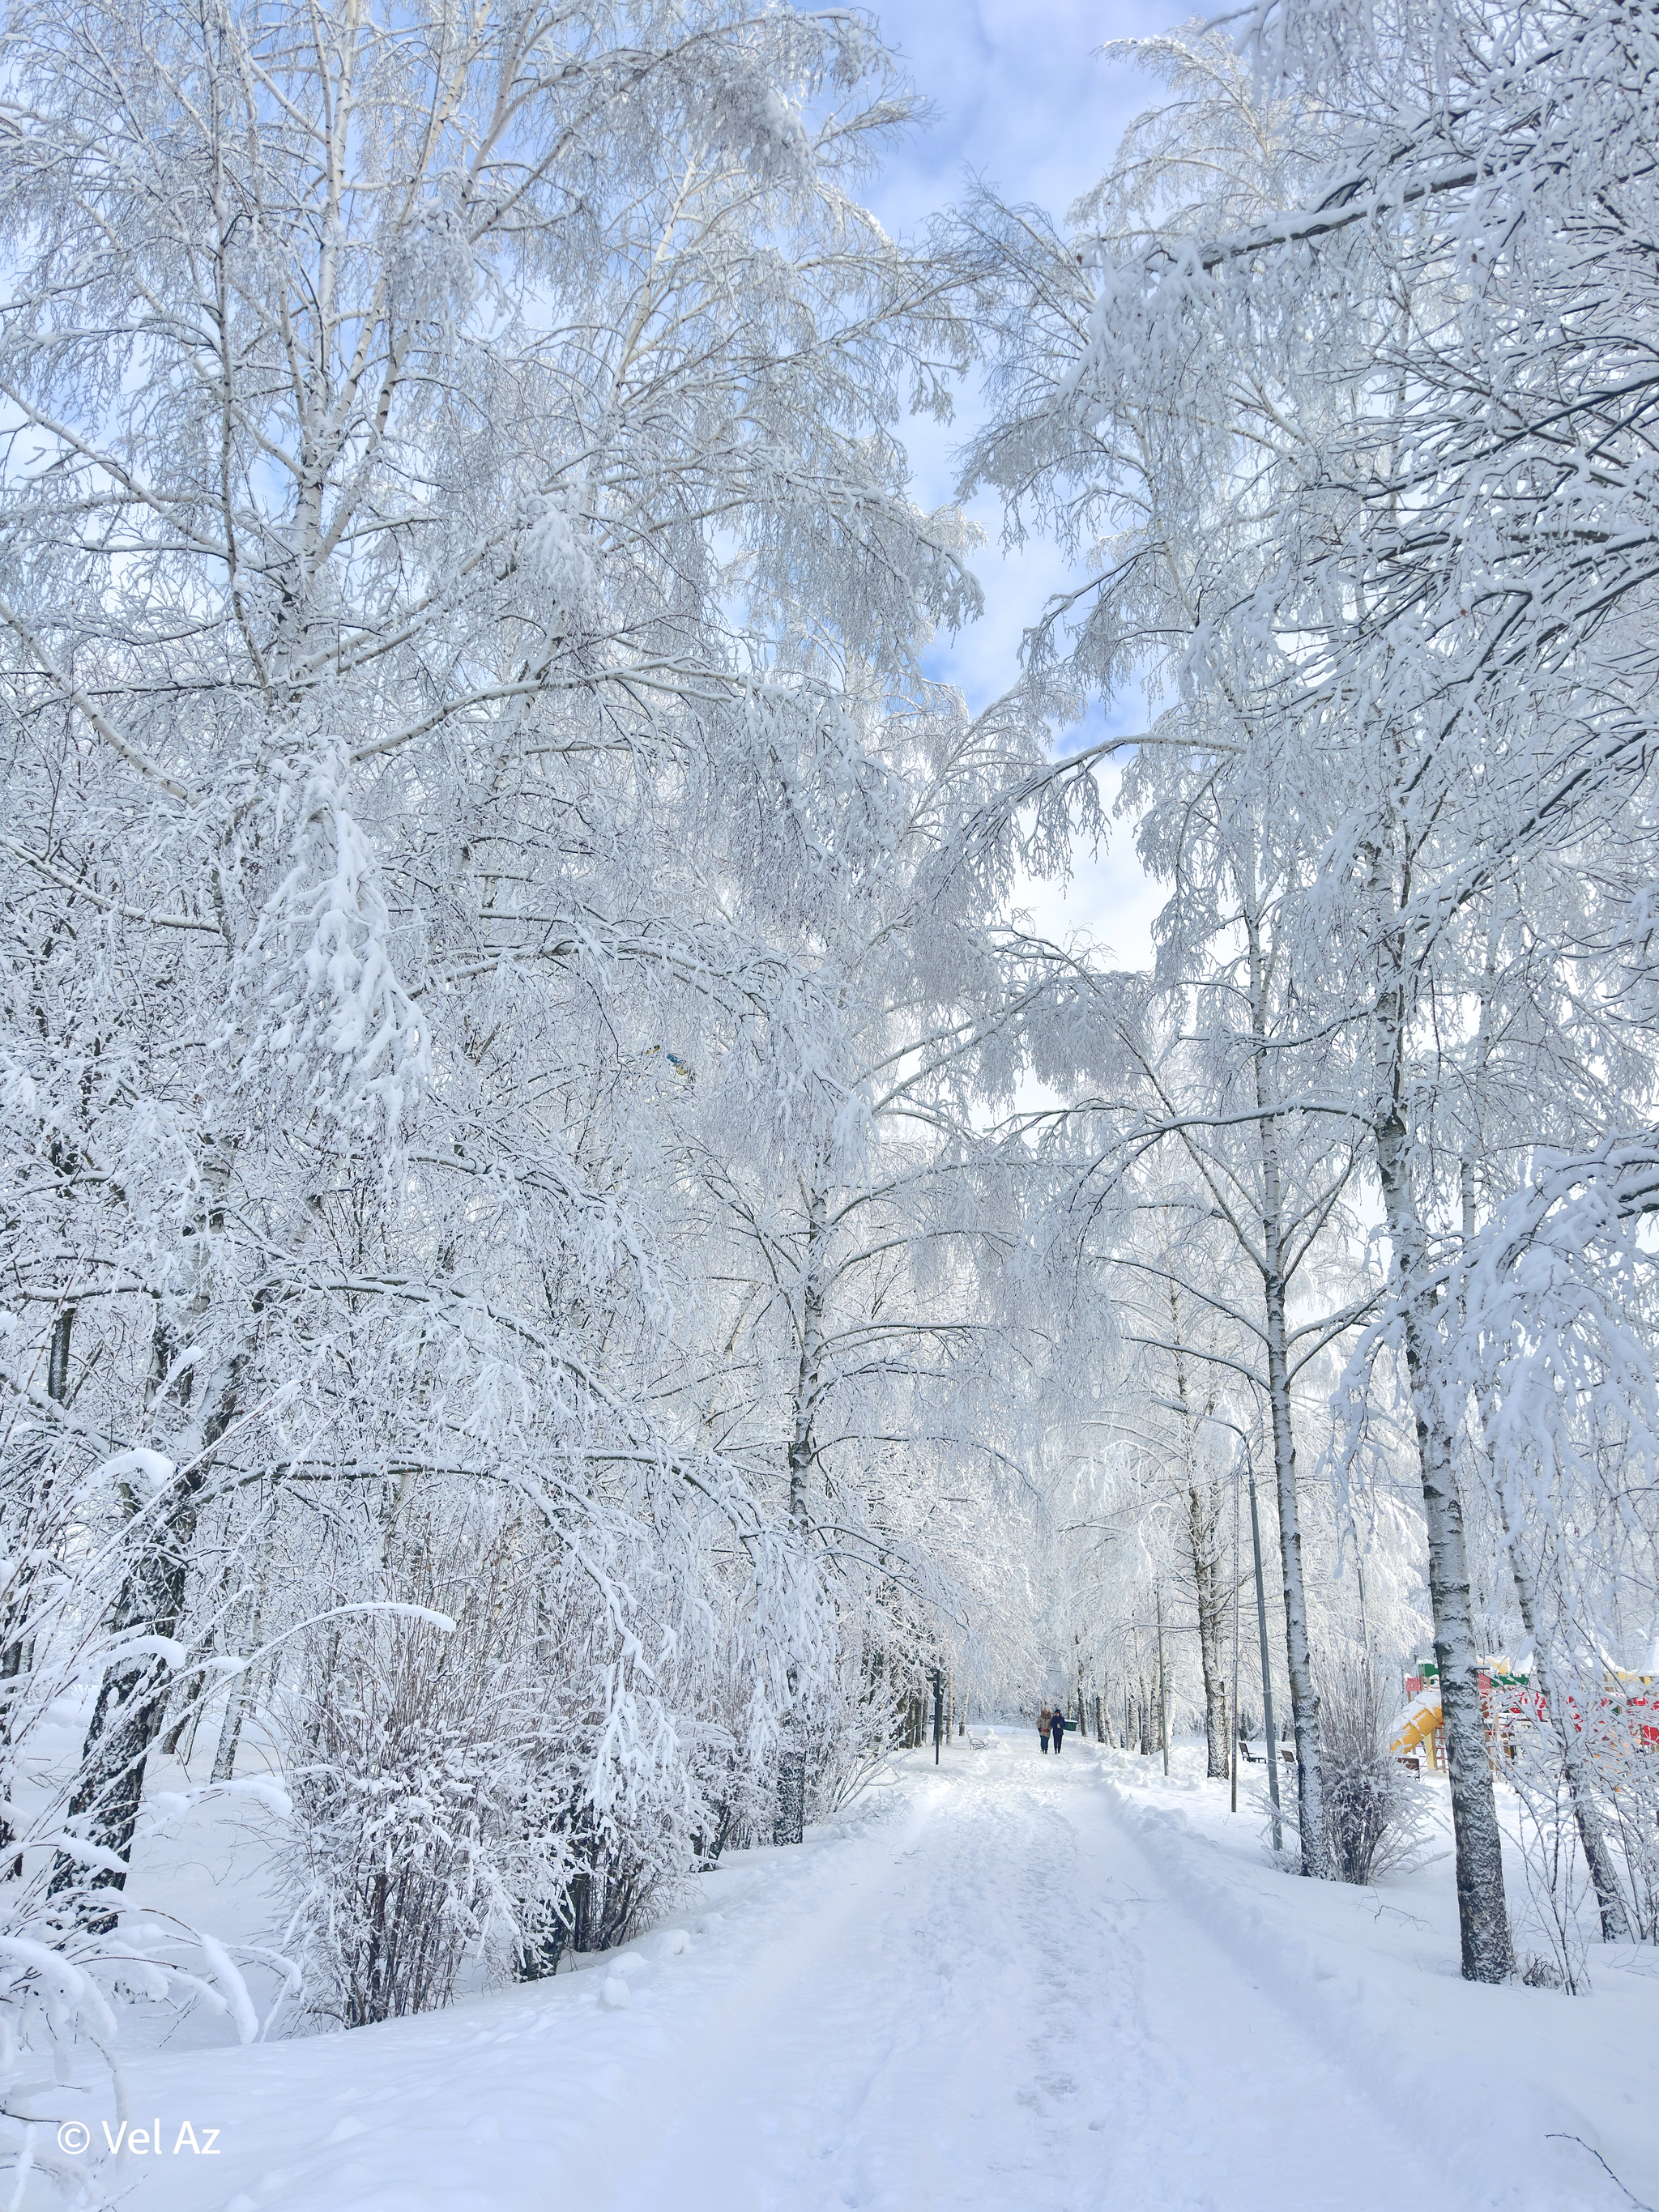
(1023, 97)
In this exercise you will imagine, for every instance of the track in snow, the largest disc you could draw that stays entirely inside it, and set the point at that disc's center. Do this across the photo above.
(995, 2004)
(988, 2000)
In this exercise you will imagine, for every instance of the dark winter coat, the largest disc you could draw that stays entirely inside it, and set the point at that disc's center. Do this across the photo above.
(1057, 1728)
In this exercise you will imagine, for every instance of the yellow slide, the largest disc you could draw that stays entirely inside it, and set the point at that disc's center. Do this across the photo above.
(1419, 1724)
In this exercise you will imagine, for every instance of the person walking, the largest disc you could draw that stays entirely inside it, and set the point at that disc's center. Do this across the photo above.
(1057, 1728)
(1045, 1721)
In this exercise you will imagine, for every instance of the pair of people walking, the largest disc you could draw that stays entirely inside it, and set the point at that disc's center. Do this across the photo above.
(1051, 1727)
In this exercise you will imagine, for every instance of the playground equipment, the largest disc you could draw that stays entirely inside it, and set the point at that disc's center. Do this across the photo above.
(1638, 1694)
(1418, 1727)
(1421, 1723)
(1507, 1700)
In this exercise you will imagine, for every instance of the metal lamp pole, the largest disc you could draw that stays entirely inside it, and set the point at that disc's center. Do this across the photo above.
(1233, 1747)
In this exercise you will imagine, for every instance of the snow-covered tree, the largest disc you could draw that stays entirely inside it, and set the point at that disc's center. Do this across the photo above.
(461, 585)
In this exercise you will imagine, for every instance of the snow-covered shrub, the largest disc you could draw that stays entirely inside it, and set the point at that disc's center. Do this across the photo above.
(485, 1769)
(614, 1812)
(410, 1738)
(1586, 1782)
(404, 1805)
(1374, 1812)
(1556, 1882)
(1634, 1805)
(626, 1878)
(850, 1732)
(736, 1783)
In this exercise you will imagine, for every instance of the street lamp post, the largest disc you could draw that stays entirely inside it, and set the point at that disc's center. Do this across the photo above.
(1233, 1747)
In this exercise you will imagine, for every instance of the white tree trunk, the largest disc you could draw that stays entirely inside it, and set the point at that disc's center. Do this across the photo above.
(1203, 1518)
(790, 1824)
(1298, 1649)
(1482, 1909)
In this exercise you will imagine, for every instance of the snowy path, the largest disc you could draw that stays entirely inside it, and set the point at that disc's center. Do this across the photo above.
(1001, 2007)
(1010, 1984)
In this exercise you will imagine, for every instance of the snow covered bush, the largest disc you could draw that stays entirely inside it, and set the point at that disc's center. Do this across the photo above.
(475, 1784)
(406, 1785)
(1586, 1779)
(628, 1869)
(853, 1728)
(1558, 1885)
(731, 1758)
(1631, 1803)
(1375, 1813)
(616, 1806)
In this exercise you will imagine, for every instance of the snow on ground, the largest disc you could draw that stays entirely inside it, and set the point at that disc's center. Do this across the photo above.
(1008, 1984)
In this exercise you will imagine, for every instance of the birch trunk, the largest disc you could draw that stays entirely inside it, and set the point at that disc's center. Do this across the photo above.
(237, 1705)
(790, 1824)
(1203, 1518)
(1298, 1649)
(1482, 1909)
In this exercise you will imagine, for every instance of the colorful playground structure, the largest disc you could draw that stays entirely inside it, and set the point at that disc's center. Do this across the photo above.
(1508, 1700)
